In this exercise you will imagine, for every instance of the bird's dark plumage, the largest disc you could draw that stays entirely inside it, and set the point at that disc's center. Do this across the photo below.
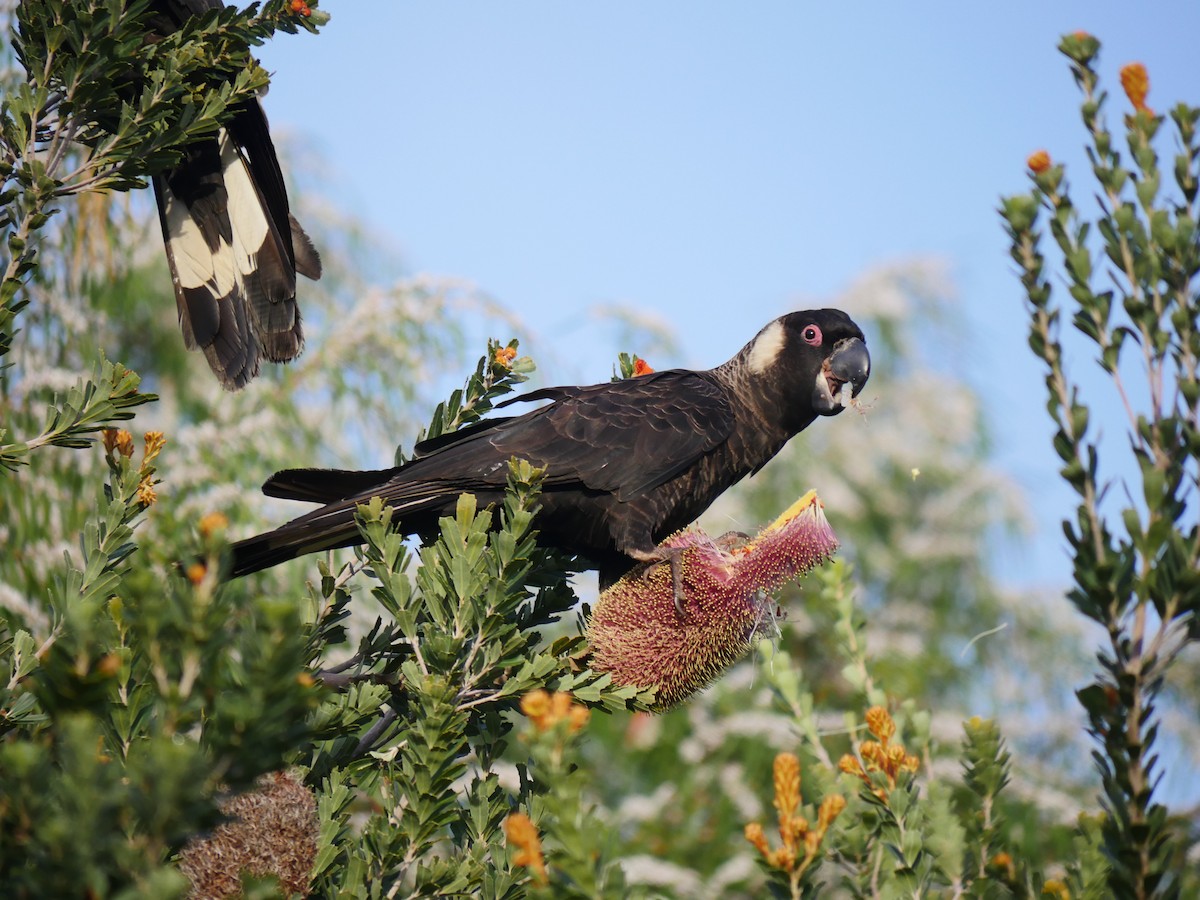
(232, 244)
(627, 462)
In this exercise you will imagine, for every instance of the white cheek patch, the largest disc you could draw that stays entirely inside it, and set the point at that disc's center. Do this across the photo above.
(767, 347)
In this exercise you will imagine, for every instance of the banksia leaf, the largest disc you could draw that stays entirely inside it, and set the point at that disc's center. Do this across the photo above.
(641, 636)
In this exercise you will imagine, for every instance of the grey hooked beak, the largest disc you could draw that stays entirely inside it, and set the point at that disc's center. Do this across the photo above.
(842, 376)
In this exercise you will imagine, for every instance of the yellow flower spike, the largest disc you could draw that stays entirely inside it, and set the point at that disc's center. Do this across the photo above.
(523, 836)
(880, 724)
(1052, 887)
(1136, 82)
(850, 765)
(787, 785)
(154, 444)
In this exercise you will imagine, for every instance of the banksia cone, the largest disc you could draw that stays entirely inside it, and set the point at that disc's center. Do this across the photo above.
(271, 831)
(637, 633)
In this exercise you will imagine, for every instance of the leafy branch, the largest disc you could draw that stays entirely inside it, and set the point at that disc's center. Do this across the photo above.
(1140, 580)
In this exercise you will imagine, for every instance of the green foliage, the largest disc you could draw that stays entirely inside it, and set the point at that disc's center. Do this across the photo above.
(417, 726)
(496, 374)
(1137, 566)
(149, 693)
(88, 407)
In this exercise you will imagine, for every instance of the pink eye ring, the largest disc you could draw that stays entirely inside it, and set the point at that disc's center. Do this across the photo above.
(811, 335)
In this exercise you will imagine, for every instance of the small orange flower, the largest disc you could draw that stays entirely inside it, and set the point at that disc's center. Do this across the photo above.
(536, 705)
(195, 572)
(505, 356)
(109, 665)
(119, 440)
(523, 835)
(1136, 82)
(212, 523)
(546, 710)
(851, 766)
(880, 724)
(787, 790)
(800, 840)
(641, 367)
(154, 444)
(755, 835)
(1003, 863)
(880, 755)
(1038, 162)
(145, 493)
(305, 679)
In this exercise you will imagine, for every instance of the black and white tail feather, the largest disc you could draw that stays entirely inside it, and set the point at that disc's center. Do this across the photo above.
(233, 246)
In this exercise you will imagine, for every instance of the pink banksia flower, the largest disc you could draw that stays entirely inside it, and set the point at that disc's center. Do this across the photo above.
(639, 634)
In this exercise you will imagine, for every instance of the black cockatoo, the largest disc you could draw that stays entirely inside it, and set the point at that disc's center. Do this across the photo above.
(627, 462)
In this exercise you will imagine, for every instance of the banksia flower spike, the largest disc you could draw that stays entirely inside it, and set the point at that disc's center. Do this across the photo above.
(638, 634)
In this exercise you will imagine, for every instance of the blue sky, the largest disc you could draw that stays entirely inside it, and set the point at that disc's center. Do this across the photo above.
(716, 164)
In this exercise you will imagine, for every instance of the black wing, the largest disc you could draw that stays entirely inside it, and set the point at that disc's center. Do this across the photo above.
(625, 437)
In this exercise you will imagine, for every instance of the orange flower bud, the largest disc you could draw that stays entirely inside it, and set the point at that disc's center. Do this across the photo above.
(505, 356)
(154, 444)
(523, 835)
(123, 443)
(145, 493)
(195, 572)
(1136, 82)
(211, 523)
(536, 706)
(831, 807)
(880, 724)
(1038, 162)
(578, 717)
(754, 834)
(641, 367)
(850, 765)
